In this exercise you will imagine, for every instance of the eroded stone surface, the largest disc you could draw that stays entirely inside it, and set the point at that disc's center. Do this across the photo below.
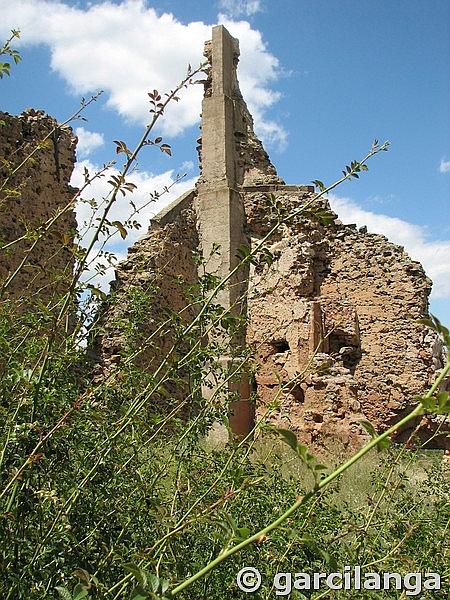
(30, 198)
(159, 266)
(333, 318)
(354, 298)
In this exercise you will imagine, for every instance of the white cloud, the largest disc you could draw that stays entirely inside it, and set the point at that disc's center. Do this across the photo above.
(433, 254)
(238, 8)
(272, 133)
(88, 141)
(127, 49)
(188, 165)
(444, 167)
(147, 184)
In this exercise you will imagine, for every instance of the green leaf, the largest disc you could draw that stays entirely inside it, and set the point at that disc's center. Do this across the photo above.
(319, 184)
(243, 252)
(437, 405)
(329, 559)
(153, 582)
(326, 217)
(97, 292)
(442, 397)
(80, 591)
(138, 594)
(139, 574)
(243, 532)
(434, 324)
(166, 149)
(382, 444)
(83, 575)
(4, 69)
(302, 451)
(227, 321)
(64, 593)
(288, 437)
(122, 147)
(320, 467)
(369, 428)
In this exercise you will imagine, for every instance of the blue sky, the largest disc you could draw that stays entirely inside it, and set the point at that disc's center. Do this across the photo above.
(323, 78)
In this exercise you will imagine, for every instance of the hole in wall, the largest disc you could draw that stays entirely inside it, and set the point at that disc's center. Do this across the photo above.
(297, 394)
(280, 346)
(343, 346)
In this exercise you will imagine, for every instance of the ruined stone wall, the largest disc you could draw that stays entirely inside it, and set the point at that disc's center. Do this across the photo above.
(335, 313)
(30, 198)
(351, 299)
(152, 280)
(388, 292)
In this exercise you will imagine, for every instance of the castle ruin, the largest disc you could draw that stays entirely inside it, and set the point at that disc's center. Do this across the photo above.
(37, 158)
(339, 304)
(335, 312)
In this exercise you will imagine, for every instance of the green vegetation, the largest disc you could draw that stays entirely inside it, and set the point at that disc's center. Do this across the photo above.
(109, 490)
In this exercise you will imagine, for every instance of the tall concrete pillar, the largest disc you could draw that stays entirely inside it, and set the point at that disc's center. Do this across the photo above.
(220, 210)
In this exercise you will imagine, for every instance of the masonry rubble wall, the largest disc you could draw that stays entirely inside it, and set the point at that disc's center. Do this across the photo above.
(31, 197)
(153, 279)
(353, 298)
(335, 314)
(233, 156)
